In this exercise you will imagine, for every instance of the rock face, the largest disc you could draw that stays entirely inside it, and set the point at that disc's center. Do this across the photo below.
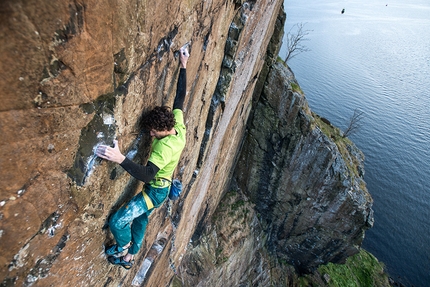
(297, 199)
(79, 73)
(305, 179)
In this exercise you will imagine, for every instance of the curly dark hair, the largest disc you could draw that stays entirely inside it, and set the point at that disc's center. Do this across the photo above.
(159, 119)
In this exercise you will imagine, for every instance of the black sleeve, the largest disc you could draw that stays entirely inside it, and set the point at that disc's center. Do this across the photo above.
(141, 172)
(181, 89)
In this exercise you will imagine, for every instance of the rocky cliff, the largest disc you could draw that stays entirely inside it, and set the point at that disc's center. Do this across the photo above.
(79, 73)
(305, 178)
(297, 199)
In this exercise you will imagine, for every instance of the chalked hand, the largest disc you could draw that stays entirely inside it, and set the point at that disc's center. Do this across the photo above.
(183, 57)
(184, 52)
(110, 153)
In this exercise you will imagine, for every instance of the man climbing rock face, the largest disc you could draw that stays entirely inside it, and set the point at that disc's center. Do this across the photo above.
(167, 127)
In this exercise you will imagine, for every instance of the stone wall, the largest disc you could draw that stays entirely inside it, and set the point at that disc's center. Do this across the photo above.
(79, 73)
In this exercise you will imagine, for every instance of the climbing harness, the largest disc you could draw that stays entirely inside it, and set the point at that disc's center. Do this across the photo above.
(148, 200)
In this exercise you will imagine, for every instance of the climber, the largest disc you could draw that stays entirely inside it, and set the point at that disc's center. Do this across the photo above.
(167, 128)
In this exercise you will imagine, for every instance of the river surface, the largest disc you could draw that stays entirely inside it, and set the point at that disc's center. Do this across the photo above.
(376, 58)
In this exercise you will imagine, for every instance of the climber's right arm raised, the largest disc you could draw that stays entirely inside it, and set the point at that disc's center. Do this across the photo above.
(147, 172)
(181, 88)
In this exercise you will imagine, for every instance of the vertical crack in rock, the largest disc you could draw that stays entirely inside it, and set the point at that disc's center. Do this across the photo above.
(108, 281)
(145, 268)
(42, 267)
(101, 130)
(226, 74)
(165, 43)
(75, 25)
(206, 40)
(200, 228)
(50, 224)
(120, 68)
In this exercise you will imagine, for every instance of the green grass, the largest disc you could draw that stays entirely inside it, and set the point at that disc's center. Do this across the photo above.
(341, 142)
(280, 60)
(296, 88)
(360, 270)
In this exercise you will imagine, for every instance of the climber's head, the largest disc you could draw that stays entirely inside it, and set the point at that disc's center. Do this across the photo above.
(159, 121)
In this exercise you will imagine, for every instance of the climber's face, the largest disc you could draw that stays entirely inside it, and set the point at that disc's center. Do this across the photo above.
(158, 134)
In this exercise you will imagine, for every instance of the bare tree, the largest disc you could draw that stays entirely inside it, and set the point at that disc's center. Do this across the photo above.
(354, 123)
(295, 39)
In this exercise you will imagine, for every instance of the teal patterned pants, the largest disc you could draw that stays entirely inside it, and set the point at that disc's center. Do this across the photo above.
(129, 223)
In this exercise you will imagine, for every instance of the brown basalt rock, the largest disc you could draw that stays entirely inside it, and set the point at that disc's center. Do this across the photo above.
(79, 73)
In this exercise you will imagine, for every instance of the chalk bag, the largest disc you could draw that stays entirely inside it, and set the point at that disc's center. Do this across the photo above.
(175, 189)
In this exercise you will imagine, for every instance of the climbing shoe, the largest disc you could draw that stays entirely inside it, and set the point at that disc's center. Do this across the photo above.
(115, 250)
(120, 261)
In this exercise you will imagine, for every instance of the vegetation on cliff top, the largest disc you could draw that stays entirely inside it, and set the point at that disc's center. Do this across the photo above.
(360, 270)
(341, 142)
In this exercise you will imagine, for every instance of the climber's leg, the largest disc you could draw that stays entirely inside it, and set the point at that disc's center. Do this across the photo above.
(138, 228)
(121, 221)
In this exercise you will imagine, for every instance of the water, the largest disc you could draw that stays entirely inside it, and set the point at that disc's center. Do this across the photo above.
(376, 57)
